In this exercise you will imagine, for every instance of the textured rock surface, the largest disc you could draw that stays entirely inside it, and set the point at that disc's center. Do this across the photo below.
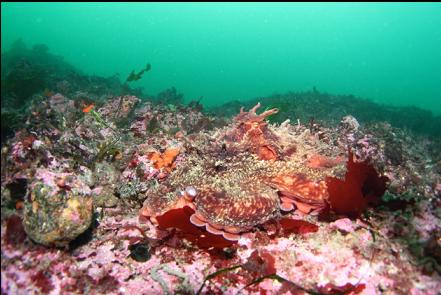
(58, 208)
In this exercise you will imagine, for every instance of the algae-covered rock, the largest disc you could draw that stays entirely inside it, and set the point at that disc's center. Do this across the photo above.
(104, 197)
(106, 175)
(58, 208)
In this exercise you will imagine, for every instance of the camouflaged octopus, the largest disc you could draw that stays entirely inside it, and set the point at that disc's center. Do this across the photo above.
(233, 179)
(236, 201)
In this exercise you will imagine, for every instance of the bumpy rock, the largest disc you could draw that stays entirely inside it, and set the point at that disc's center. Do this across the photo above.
(106, 175)
(58, 208)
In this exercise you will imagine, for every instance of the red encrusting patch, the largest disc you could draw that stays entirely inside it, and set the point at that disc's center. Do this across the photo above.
(297, 226)
(362, 186)
(180, 219)
(42, 280)
(261, 264)
(347, 289)
(15, 233)
(28, 141)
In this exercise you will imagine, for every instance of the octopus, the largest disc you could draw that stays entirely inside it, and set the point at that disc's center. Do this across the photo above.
(234, 209)
(237, 180)
(227, 202)
(307, 195)
(252, 130)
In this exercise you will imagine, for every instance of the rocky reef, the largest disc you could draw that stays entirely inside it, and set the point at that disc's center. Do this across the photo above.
(327, 109)
(128, 195)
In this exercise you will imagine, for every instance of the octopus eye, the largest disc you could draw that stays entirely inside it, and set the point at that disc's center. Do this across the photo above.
(191, 191)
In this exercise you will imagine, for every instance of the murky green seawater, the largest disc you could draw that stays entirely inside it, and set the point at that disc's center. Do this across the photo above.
(390, 53)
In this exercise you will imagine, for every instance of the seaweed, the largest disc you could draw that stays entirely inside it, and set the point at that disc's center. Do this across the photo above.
(170, 97)
(153, 125)
(10, 121)
(108, 149)
(215, 274)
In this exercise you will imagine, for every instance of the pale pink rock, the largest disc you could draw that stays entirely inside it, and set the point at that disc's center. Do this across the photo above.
(345, 225)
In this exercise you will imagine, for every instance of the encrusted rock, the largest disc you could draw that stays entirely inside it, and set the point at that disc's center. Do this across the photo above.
(58, 208)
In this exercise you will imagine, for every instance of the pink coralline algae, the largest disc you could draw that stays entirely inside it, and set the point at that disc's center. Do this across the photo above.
(344, 225)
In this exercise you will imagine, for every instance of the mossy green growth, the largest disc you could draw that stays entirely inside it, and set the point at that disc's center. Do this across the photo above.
(98, 118)
(11, 120)
(172, 107)
(174, 130)
(153, 125)
(108, 150)
(407, 197)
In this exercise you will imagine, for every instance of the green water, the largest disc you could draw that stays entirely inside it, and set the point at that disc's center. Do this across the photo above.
(390, 53)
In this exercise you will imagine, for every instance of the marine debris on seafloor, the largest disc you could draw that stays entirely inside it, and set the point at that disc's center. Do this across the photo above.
(122, 195)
